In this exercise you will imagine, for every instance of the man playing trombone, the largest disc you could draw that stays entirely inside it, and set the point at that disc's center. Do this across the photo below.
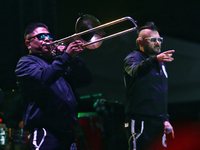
(46, 86)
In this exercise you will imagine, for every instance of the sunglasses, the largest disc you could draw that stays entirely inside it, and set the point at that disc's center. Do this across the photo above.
(42, 36)
(155, 39)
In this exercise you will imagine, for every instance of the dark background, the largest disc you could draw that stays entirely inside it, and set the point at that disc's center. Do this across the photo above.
(178, 22)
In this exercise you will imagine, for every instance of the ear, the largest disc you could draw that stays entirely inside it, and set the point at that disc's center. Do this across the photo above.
(140, 41)
(27, 43)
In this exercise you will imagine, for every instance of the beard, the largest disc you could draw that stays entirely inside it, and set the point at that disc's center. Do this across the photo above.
(153, 51)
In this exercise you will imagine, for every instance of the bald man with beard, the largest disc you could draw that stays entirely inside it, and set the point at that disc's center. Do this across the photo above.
(147, 121)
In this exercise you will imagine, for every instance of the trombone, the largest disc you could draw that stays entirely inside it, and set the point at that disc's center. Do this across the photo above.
(94, 35)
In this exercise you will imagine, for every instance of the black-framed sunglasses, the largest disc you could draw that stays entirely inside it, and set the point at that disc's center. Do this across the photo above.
(155, 39)
(42, 36)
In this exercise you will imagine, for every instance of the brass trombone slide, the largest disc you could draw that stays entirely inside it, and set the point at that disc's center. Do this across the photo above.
(74, 36)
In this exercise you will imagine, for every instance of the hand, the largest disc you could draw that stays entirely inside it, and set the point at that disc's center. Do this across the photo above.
(59, 49)
(168, 126)
(74, 48)
(165, 56)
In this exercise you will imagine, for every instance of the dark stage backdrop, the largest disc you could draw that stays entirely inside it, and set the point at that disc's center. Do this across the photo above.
(178, 24)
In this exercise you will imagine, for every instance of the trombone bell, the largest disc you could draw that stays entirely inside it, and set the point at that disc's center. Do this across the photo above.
(86, 22)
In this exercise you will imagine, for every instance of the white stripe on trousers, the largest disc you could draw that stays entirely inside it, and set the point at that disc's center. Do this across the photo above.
(135, 136)
(35, 139)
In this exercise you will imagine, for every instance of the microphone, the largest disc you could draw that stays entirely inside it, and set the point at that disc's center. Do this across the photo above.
(168, 129)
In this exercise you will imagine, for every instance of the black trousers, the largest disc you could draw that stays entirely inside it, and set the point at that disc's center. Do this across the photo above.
(42, 139)
(145, 135)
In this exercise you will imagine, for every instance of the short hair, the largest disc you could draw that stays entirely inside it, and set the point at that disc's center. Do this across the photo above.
(30, 28)
(148, 25)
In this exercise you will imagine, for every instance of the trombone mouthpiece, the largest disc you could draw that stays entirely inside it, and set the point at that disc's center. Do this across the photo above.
(48, 44)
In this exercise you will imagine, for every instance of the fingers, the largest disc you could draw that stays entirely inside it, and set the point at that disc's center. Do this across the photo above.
(172, 132)
(59, 49)
(78, 43)
(75, 47)
(169, 51)
(168, 128)
(166, 56)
